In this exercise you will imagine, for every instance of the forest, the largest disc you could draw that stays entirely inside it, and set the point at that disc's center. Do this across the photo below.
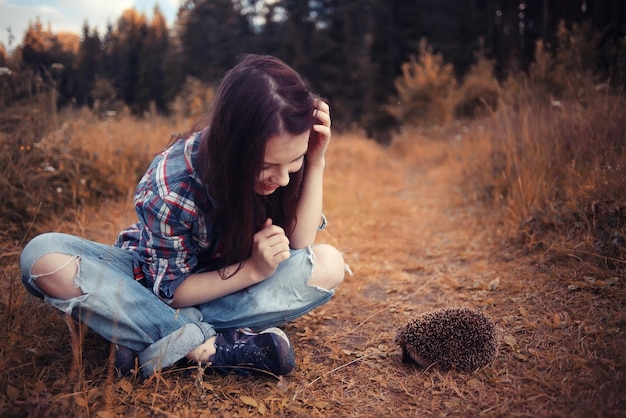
(350, 51)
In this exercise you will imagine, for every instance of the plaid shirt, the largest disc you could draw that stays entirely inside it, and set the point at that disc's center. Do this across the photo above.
(175, 235)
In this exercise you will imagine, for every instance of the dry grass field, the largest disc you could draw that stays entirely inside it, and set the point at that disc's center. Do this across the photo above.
(417, 240)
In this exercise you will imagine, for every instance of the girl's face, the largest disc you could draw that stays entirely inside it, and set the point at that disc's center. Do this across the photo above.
(284, 154)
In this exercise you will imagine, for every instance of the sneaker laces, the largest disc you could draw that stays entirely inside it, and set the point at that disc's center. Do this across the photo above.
(243, 352)
(239, 354)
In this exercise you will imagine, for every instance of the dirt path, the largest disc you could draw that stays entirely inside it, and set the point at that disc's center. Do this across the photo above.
(417, 243)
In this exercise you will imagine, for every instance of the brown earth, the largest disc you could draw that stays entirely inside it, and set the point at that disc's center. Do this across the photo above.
(416, 241)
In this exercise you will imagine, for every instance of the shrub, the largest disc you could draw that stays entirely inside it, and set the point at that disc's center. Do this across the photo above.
(104, 95)
(46, 175)
(194, 99)
(425, 89)
(479, 93)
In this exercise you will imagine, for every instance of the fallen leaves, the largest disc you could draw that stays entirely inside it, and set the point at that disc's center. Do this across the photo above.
(259, 405)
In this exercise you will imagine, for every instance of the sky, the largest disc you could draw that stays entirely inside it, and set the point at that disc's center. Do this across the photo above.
(70, 15)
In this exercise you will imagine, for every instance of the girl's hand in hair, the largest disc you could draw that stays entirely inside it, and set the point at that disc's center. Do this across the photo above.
(320, 135)
(270, 247)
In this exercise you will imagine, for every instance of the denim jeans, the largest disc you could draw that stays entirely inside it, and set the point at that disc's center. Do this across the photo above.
(125, 312)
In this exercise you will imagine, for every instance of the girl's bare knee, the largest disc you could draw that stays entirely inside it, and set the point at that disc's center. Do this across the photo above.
(55, 275)
(329, 268)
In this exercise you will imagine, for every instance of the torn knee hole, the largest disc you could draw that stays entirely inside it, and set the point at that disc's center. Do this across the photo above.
(53, 264)
(56, 275)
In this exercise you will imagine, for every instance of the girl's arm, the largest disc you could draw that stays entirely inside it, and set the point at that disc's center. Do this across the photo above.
(309, 211)
(270, 247)
(204, 287)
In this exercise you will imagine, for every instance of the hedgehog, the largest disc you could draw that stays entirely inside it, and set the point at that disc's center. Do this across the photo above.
(450, 338)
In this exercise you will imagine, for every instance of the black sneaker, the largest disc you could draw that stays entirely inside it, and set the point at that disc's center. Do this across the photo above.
(243, 351)
(124, 360)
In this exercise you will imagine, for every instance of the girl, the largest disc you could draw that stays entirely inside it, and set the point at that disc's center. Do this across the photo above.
(227, 218)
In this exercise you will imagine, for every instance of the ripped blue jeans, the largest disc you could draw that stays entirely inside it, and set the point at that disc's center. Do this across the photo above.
(125, 312)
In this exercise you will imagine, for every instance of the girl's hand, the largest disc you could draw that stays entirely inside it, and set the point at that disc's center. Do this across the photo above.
(320, 135)
(270, 247)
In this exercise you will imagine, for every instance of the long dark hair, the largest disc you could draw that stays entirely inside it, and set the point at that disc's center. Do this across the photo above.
(257, 99)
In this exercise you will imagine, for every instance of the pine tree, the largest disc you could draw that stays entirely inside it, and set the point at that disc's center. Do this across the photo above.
(150, 86)
(46, 65)
(212, 34)
(123, 47)
(89, 65)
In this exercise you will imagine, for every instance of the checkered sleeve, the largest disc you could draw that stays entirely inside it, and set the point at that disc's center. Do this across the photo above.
(167, 246)
(173, 230)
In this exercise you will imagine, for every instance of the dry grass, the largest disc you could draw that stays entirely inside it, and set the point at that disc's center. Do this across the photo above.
(416, 241)
(78, 160)
(554, 176)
